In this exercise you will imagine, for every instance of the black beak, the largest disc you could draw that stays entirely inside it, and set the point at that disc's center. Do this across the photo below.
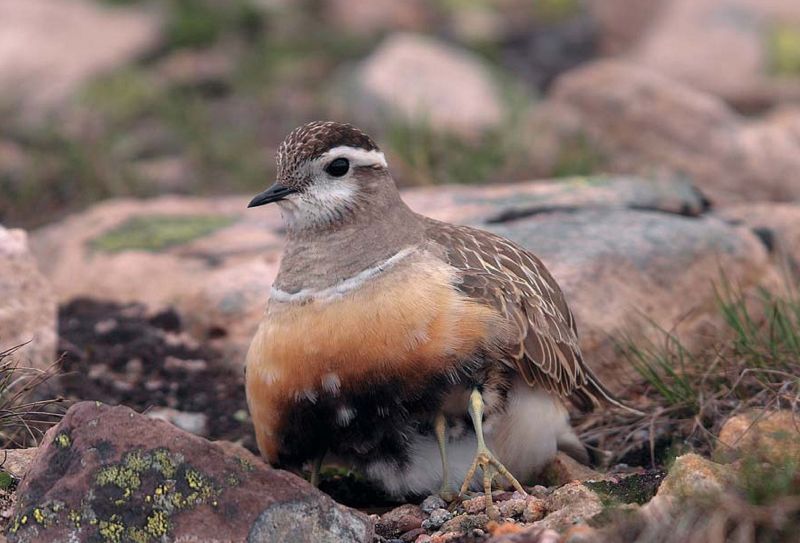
(275, 193)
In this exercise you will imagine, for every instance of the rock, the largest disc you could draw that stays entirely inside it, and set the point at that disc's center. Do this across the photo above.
(639, 120)
(417, 79)
(463, 524)
(436, 519)
(431, 503)
(570, 504)
(107, 473)
(617, 265)
(50, 48)
(777, 224)
(17, 461)
(690, 39)
(399, 520)
(371, 18)
(769, 436)
(194, 423)
(641, 243)
(693, 475)
(565, 469)
(535, 509)
(207, 257)
(529, 535)
(621, 23)
(28, 307)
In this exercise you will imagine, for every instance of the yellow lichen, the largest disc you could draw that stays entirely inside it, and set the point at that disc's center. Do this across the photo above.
(112, 529)
(157, 524)
(75, 517)
(63, 440)
(38, 516)
(163, 462)
(122, 477)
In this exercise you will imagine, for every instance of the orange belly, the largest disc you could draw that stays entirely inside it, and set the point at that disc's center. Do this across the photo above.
(402, 326)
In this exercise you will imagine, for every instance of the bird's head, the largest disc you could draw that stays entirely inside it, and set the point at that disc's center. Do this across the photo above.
(327, 173)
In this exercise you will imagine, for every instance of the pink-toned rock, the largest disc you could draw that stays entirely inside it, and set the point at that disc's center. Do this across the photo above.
(690, 39)
(399, 520)
(107, 473)
(49, 47)
(370, 18)
(770, 436)
(639, 120)
(569, 505)
(416, 79)
(17, 461)
(691, 475)
(565, 469)
(621, 23)
(778, 223)
(27, 304)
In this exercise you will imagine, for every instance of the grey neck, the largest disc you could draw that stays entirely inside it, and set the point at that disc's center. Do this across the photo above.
(323, 257)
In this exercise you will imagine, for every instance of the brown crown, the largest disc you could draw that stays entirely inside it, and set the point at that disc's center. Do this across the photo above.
(314, 139)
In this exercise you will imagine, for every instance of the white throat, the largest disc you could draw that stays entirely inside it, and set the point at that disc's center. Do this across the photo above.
(329, 198)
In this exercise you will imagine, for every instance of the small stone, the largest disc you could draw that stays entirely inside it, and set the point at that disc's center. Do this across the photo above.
(535, 509)
(432, 502)
(412, 535)
(474, 505)
(511, 508)
(399, 521)
(465, 523)
(693, 475)
(424, 538)
(437, 518)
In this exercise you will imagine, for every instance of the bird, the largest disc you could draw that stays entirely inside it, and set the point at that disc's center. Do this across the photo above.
(420, 352)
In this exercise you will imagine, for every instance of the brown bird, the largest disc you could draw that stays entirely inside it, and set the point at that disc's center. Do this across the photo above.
(414, 349)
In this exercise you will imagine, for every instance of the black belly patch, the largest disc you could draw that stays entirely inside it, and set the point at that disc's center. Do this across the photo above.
(362, 424)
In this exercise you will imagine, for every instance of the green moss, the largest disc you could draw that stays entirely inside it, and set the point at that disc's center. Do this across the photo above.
(784, 50)
(158, 232)
(632, 489)
(555, 11)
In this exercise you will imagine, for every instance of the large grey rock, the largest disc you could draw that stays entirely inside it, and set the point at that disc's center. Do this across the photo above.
(27, 303)
(50, 47)
(417, 79)
(639, 120)
(109, 474)
(621, 268)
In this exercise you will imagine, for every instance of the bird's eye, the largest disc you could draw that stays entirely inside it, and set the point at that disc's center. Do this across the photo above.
(338, 167)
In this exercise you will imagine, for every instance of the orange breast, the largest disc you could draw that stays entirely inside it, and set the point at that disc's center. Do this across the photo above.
(405, 324)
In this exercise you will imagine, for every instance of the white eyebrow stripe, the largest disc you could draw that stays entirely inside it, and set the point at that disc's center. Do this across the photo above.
(356, 155)
(345, 286)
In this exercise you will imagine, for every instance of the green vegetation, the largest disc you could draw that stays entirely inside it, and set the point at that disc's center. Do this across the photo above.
(24, 416)
(158, 232)
(784, 50)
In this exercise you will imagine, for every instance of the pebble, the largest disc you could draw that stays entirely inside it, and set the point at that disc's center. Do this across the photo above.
(438, 517)
(535, 509)
(431, 503)
(512, 508)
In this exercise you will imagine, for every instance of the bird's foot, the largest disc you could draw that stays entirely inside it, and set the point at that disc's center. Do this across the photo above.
(491, 467)
(447, 494)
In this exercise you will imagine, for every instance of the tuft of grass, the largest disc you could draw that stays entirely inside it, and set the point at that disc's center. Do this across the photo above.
(755, 363)
(23, 417)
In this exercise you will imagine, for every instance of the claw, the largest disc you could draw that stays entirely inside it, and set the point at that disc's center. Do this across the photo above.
(489, 464)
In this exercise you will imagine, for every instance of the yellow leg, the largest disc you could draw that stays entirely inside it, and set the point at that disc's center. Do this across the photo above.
(440, 429)
(315, 469)
(485, 459)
